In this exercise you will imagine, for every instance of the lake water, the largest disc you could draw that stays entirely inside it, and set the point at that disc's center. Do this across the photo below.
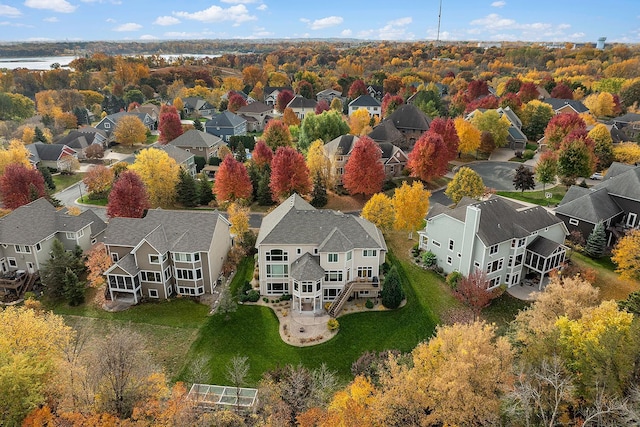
(45, 62)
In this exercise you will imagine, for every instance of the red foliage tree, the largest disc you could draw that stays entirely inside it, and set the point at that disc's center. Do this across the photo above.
(283, 99)
(446, 128)
(289, 174)
(429, 157)
(473, 292)
(562, 91)
(617, 106)
(322, 106)
(390, 103)
(262, 154)
(364, 173)
(20, 185)
(528, 92)
(132, 106)
(356, 89)
(169, 124)
(476, 89)
(128, 197)
(488, 103)
(560, 126)
(512, 101)
(235, 102)
(232, 181)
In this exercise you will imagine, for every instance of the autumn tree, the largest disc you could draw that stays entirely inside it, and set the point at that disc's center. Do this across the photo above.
(276, 134)
(232, 181)
(290, 118)
(128, 197)
(178, 104)
(446, 128)
(562, 91)
(187, 193)
(528, 92)
(575, 155)
(289, 174)
(356, 89)
(560, 126)
(359, 122)
(98, 180)
(535, 116)
(476, 89)
(468, 134)
(363, 172)
(318, 163)
(490, 121)
(31, 345)
(603, 146)
(239, 219)
(20, 185)
(429, 158)
(410, 205)
(523, 179)
(336, 105)
(627, 152)
(390, 103)
(261, 154)
(159, 173)
(625, 255)
(15, 153)
(379, 210)
(283, 99)
(600, 104)
(322, 106)
(466, 182)
(473, 291)
(236, 101)
(98, 261)
(547, 168)
(130, 130)
(169, 125)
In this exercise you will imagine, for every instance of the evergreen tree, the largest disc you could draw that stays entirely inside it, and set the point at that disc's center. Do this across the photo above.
(73, 288)
(264, 195)
(197, 125)
(187, 190)
(319, 192)
(48, 179)
(39, 135)
(392, 293)
(58, 283)
(205, 190)
(241, 154)
(596, 242)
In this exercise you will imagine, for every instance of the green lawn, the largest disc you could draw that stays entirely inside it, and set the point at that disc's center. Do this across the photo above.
(252, 331)
(537, 197)
(96, 202)
(63, 181)
(502, 311)
(607, 280)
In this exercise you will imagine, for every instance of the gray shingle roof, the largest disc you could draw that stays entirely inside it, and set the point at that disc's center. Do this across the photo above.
(300, 101)
(176, 153)
(385, 131)
(194, 138)
(98, 225)
(188, 231)
(46, 152)
(591, 207)
(297, 222)
(226, 119)
(627, 118)
(543, 246)
(557, 103)
(341, 145)
(365, 101)
(255, 107)
(408, 116)
(307, 268)
(128, 264)
(616, 169)
(32, 223)
(625, 184)
(574, 192)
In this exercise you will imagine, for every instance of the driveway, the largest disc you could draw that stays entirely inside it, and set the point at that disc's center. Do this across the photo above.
(497, 175)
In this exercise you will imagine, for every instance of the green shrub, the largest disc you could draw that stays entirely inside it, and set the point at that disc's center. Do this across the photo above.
(453, 279)
(285, 297)
(253, 296)
(429, 259)
(29, 295)
(392, 293)
(368, 304)
(332, 324)
(265, 299)
(528, 154)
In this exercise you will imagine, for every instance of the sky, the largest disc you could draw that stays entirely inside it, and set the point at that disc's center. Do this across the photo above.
(488, 20)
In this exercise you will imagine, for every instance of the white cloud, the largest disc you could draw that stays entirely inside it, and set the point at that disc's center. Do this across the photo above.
(305, 20)
(166, 20)
(498, 3)
(9, 11)
(62, 6)
(494, 22)
(14, 24)
(51, 19)
(187, 35)
(578, 35)
(236, 14)
(129, 26)
(329, 21)
(148, 37)
(262, 7)
(110, 20)
(395, 29)
(346, 33)
(238, 1)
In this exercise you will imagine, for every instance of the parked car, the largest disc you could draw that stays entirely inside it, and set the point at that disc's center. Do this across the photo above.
(597, 176)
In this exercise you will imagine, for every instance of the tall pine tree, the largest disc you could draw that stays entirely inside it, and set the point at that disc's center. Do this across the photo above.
(392, 293)
(205, 190)
(187, 190)
(319, 192)
(596, 242)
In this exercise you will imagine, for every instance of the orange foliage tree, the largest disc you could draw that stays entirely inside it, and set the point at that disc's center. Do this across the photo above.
(289, 174)
(232, 181)
(364, 173)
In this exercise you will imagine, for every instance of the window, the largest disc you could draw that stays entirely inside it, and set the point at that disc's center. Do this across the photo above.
(186, 257)
(107, 125)
(369, 252)
(274, 270)
(298, 251)
(449, 260)
(476, 264)
(295, 286)
(332, 257)
(365, 272)
(459, 255)
(349, 256)
(451, 243)
(331, 294)
(198, 273)
(80, 233)
(114, 257)
(154, 259)
(518, 260)
(631, 219)
(165, 256)
(339, 171)
(306, 287)
(315, 251)
(333, 276)
(38, 247)
(167, 273)
(521, 242)
(495, 265)
(70, 235)
(184, 274)
(493, 250)
(12, 262)
(153, 293)
(23, 249)
(151, 276)
(436, 243)
(277, 255)
(573, 221)
(494, 282)
(277, 288)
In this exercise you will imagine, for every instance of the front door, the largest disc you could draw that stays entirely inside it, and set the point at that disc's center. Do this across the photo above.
(30, 268)
(515, 279)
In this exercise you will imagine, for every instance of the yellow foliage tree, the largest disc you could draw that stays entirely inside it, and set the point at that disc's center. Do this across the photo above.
(469, 135)
(490, 121)
(352, 406)
(600, 104)
(627, 152)
(380, 211)
(232, 83)
(239, 219)
(15, 153)
(31, 344)
(410, 204)
(177, 102)
(588, 118)
(159, 173)
(318, 163)
(28, 134)
(46, 103)
(625, 255)
(466, 182)
(290, 118)
(359, 122)
(130, 130)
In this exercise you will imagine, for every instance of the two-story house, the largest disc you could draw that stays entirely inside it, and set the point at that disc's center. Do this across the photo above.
(615, 202)
(166, 253)
(27, 233)
(199, 143)
(329, 95)
(402, 128)
(257, 115)
(493, 236)
(566, 105)
(369, 103)
(271, 94)
(225, 125)
(301, 106)
(318, 256)
(198, 107)
(108, 123)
